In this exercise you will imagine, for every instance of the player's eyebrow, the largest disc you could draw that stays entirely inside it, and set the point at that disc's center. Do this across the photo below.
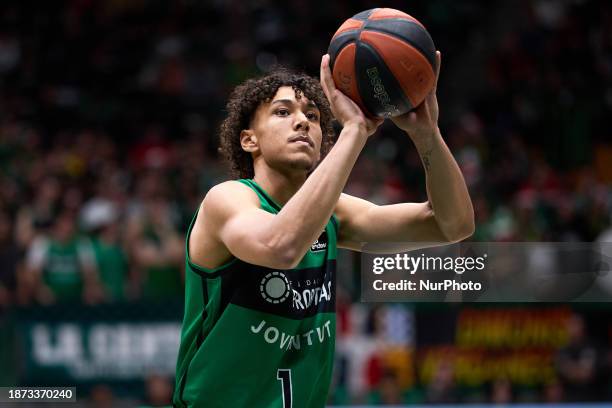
(310, 104)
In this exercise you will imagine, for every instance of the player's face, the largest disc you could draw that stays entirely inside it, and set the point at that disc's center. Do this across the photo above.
(287, 131)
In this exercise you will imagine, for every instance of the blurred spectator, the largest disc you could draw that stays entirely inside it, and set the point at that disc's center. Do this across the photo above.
(38, 215)
(158, 391)
(579, 364)
(62, 267)
(101, 396)
(501, 392)
(442, 388)
(388, 391)
(9, 264)
(101, 219)
(553, 392)
(157, 249)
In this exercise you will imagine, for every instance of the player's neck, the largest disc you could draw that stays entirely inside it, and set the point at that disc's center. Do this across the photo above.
(280, 186)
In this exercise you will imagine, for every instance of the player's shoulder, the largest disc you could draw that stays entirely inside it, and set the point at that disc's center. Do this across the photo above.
(227, 196)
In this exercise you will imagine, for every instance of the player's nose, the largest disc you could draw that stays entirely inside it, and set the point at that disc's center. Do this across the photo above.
(301, 122)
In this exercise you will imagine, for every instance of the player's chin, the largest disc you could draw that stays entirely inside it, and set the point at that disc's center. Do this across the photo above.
(304, 162)
(302, 153)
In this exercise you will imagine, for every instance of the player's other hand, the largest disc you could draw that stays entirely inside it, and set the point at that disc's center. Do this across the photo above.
(422, 121)
(344, 109)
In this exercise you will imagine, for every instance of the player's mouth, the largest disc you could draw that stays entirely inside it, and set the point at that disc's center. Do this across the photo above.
(302, 138)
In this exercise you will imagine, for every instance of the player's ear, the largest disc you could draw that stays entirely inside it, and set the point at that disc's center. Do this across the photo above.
(248, 141)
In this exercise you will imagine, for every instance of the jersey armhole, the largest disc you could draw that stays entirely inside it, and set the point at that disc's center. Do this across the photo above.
(336, 223)
(201, 270)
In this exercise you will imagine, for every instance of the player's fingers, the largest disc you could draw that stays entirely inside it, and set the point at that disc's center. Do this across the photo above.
(322, 78)
(438, 63)
(327, 81)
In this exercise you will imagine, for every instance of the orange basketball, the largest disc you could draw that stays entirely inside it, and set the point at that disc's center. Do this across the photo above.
(384, 60)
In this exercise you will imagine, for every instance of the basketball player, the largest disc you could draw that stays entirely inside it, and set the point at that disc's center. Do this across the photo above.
(259, 321)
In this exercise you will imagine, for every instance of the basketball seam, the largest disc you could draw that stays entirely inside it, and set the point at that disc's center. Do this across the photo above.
(360, 103)
(399, 37)
(409, 19)
(403, 38)
(343, 43)
(348, 29)
(366, 17)
(346, 33)
(363, 106)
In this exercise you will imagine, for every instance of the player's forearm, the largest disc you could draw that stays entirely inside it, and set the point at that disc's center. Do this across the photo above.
(446, 189)
(307, 212)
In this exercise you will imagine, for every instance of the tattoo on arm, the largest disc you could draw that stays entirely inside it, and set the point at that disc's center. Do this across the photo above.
(427, 159)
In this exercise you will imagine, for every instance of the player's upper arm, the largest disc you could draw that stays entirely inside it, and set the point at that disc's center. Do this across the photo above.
(368, 227)
(231, 213)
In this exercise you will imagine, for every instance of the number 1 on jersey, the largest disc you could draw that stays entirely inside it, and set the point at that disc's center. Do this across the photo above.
(284, 376)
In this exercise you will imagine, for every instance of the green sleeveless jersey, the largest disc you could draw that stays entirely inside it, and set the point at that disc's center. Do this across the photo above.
(62, 271)
(259, 337)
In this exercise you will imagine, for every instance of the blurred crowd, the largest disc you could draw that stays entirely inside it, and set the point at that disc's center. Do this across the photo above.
(109, 110)
(382, 366)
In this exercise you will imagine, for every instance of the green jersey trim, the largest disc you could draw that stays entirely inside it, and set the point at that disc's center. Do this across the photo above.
(261, 193)
(266, 197)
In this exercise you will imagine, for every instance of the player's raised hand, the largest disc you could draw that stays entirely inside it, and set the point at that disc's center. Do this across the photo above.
(422, 121)
(344, 109)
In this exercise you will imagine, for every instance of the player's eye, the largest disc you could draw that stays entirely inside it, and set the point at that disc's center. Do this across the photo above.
(282, 112)
(312, 116)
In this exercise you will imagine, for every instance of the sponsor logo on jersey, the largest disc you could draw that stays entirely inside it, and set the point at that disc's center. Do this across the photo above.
(320, 244)
(275, 287)
(312, 296)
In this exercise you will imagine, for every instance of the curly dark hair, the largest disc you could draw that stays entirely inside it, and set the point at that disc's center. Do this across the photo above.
(247, 97)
